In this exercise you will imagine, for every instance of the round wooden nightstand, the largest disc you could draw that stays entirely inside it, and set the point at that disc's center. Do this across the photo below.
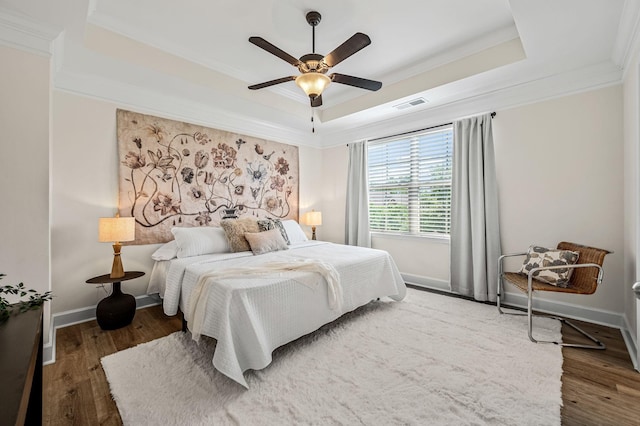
(118, 309)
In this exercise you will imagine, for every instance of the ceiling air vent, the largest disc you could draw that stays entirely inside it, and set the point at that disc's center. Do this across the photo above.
(411, 103)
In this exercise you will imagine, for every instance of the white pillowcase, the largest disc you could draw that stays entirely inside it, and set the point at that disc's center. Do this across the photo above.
(166, 251)
(294, 232)
(200, 240)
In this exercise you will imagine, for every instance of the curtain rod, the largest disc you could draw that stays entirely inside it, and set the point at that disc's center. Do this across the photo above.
(493, 114)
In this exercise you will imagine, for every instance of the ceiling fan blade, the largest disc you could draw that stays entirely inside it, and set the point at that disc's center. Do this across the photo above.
(271, 83)
(317, 101)
(357, 42)
(264, 44)
(362, 83)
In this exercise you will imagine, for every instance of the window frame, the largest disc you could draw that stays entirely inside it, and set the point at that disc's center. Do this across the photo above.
(417, 183)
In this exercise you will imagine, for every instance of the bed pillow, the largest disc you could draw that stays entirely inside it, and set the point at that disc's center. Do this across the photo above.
(200, 240)
(294, 232)
(166, 251)
(540, 256)
(266, 241)
(268, 224)
(235, 230)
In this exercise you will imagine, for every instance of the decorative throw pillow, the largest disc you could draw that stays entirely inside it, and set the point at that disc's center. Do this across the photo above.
(540, 257)
(235, 230)
(294, 232)
(266, 241)
(268, 224)
(199, 240)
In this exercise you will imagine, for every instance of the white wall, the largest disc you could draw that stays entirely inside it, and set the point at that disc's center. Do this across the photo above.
(333, 187)
(85, 187)
(24, 170)
(560, 177)
(631, 95)
(311, 185)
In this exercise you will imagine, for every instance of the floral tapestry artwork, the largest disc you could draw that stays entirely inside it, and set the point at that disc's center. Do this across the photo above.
(180, 174)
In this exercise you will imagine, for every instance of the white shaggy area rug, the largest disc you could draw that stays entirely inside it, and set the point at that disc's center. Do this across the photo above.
(428, 360)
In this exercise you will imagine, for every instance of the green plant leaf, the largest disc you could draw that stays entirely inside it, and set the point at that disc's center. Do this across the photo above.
(35, 299)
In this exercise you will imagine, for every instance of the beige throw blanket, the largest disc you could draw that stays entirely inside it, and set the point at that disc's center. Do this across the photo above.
(198, 301)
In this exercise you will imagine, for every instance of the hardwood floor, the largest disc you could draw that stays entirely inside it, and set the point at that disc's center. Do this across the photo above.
(76, 391)
(598, 387)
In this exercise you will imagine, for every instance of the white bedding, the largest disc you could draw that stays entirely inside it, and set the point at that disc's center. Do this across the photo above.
(250, 316)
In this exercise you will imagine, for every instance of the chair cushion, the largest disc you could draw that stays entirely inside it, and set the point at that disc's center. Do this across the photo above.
(520, 281)
(540, 257)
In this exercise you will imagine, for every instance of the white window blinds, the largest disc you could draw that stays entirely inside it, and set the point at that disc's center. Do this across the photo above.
(410, 183)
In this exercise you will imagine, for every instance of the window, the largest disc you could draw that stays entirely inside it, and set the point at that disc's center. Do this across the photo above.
(410, 183)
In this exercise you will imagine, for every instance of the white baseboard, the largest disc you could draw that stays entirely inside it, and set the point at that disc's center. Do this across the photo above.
(632, 344)
(77, 316)
(577, 312)
(568, 310)
(426, 282)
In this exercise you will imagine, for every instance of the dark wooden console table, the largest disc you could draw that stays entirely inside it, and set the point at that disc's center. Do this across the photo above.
(21, 369)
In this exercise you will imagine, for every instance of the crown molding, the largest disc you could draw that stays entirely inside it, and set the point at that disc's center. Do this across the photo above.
(165, 45)
(157, 103)
(483, 100)
(18, 31)
(627, 41)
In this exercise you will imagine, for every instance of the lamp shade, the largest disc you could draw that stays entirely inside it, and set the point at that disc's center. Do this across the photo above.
(313, 83)
(312, 218)
(116, 229)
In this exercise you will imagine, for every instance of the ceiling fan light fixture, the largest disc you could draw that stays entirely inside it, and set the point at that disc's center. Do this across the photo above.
(313, 83)
(313, 67)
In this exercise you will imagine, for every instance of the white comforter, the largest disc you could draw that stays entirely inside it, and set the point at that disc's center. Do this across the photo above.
(250, 316)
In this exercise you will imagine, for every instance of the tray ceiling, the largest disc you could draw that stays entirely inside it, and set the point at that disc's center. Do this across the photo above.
(444, 51)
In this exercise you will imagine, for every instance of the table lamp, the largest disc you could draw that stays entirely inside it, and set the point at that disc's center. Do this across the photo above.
(312, 219)
(116, 230)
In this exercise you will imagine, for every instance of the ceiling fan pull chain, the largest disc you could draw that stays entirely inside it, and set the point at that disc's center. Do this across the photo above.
(313, 124)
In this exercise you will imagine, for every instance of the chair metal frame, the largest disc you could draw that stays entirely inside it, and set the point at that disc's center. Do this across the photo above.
(598, 344)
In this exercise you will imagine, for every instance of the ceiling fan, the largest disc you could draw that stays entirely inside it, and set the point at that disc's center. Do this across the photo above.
(313, 66)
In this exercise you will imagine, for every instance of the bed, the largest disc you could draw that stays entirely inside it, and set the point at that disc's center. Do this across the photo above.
(251, 309)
